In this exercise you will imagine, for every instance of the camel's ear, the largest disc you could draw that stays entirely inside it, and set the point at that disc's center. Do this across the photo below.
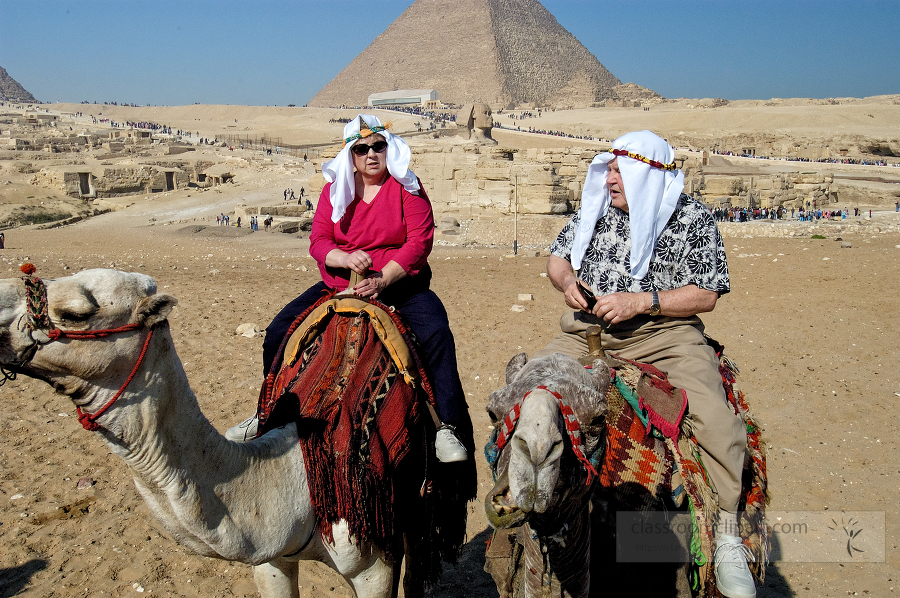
(590, 408)
(155, 309)
(514, 366)
(601, 376)
(499, 403)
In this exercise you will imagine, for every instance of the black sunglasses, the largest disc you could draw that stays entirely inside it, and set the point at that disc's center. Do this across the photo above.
(361, 149)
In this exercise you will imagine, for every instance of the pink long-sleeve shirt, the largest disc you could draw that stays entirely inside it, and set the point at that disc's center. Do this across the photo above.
(396, 225)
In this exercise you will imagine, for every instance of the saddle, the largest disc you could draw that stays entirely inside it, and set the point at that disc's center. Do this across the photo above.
(352, 381)
(652, 456)
(650, 461)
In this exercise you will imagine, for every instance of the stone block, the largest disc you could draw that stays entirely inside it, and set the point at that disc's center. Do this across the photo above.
(492, 170)
(441, 191)
(541, 177)
(723, 185)
(807, 188)
(809, 178)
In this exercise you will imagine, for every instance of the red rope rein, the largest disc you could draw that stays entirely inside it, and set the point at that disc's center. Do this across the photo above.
(57, 334)
(88, 420)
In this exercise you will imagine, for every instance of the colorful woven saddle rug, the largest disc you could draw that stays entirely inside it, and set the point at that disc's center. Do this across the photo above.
(652, 456)
(354, 385)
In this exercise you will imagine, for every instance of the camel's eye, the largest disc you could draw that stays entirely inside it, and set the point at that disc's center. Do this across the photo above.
(71, 315)
(76, 309)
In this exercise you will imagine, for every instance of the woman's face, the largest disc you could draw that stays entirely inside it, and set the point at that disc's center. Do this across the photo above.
(372, 164)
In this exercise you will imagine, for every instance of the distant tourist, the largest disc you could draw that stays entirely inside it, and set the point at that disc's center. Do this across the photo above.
(2, 241)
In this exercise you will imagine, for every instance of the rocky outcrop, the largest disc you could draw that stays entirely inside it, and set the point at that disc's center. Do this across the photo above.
(789, 190)
(101, 182)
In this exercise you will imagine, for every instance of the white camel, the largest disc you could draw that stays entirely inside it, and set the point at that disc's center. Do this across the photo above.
(241, 502)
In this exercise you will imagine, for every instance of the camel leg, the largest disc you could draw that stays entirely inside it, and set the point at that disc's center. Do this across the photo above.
(365, 568)
(278, 578)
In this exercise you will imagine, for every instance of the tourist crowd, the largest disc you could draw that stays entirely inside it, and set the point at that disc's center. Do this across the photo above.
(807, 214)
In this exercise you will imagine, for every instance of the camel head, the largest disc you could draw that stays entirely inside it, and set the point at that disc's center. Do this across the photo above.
(34, 342)
(538, 467)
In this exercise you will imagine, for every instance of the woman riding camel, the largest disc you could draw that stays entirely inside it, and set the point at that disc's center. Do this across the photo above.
(374, 218)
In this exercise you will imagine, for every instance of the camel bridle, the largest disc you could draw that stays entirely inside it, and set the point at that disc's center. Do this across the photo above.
(573, 430)
(39, 319)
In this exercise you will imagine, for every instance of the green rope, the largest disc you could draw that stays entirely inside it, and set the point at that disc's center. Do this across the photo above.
(632, 398)
(696, 549)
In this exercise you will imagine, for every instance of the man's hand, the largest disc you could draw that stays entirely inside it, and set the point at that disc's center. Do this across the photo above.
(618, 307)
(573, 296)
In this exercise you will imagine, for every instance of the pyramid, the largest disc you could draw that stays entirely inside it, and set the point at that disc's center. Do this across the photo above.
(500, 52)
(11, 91)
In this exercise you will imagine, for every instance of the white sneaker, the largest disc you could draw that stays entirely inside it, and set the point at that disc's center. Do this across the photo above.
(448, 447)
(244, 431)
(733, 576)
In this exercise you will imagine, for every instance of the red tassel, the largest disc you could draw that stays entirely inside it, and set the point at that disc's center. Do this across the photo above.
(28, 268)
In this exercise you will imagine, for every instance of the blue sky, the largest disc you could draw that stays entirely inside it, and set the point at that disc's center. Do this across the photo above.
(268, 52)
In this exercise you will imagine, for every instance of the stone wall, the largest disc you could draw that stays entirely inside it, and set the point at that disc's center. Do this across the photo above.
(110, 181)
(791, 190)
(469, 180)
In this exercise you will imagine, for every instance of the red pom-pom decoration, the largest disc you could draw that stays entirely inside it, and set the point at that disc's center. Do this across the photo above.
(28, 268)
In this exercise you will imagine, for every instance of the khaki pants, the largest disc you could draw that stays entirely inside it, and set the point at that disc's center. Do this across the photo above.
(677, 347)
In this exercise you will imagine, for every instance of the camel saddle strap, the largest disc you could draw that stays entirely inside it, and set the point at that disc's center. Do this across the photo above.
(382, 323)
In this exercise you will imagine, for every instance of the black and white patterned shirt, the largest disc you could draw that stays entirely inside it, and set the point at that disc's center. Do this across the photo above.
(688, 251)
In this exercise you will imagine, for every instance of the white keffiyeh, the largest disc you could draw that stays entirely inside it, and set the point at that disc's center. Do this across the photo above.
(651, 193)
(339, 171)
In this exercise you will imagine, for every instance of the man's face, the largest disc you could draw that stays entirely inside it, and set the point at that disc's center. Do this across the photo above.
(616, 187)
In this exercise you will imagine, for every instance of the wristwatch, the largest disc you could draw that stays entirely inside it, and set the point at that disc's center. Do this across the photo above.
(654, 307)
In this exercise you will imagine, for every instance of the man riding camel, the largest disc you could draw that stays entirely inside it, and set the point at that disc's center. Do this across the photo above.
(641, 259)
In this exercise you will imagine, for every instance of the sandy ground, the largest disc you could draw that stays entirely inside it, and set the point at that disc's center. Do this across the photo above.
(813, 327)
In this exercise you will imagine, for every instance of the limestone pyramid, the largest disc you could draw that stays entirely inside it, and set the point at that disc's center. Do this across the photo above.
(501, 52)
(11, 91)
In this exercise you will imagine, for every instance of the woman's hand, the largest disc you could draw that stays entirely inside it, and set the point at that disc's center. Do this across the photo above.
(358, 261)
(377, 282)
(371, 286)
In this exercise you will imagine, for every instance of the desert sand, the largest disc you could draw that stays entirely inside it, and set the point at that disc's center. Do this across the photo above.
(813, 327)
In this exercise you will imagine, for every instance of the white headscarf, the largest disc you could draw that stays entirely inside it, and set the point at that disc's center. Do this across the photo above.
(651, 192)
(339, 172)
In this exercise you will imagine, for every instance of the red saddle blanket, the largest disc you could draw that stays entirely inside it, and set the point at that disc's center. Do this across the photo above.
(357, 417)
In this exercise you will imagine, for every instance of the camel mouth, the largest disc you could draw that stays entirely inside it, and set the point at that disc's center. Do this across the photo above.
(500, 506)
(504, 503)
